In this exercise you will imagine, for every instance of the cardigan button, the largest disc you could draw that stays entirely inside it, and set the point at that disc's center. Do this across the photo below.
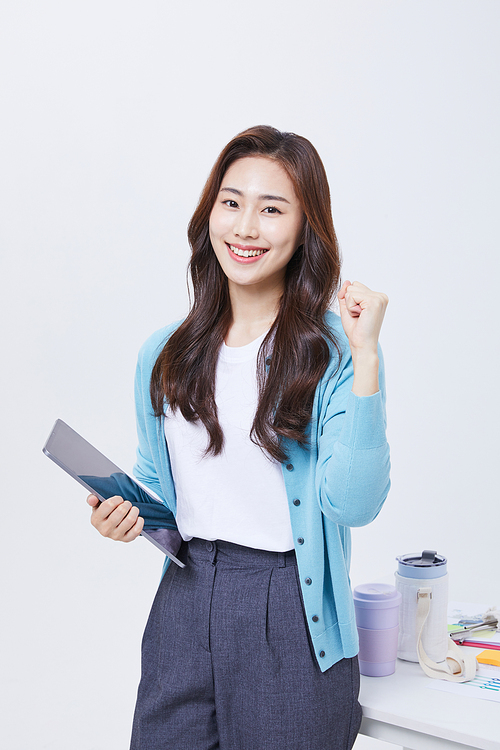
(308, 581)
(289, 467)
(322, 653)
(296, 501)
(315, 618)
(300, 540)
(268, 361)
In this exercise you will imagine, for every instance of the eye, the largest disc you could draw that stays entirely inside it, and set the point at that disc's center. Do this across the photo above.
(230, 203)
(272, 210)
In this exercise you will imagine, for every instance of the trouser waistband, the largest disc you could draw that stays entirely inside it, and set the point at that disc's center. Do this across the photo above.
(238, 555)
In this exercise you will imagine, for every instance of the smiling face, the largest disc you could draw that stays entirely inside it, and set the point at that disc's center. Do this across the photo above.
(256, 224)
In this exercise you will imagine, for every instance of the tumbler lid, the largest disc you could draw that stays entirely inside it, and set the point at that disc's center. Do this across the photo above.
(376, 596)
(427, 565)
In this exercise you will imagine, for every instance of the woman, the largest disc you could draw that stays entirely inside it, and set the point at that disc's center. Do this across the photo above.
(261, 424)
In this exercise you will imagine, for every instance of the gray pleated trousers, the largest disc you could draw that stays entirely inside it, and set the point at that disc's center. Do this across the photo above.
(227, 662)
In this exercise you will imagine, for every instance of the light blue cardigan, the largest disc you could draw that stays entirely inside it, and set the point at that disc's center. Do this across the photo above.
(340, 479)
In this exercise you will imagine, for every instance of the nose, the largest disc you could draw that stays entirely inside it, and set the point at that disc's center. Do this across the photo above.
(245, 225)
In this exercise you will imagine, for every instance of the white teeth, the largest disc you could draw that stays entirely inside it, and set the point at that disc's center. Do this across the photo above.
(246, 253)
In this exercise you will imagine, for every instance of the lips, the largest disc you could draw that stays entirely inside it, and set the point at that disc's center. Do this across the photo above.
(246, 253)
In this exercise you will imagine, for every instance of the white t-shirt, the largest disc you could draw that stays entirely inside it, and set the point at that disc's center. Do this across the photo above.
(238, 496)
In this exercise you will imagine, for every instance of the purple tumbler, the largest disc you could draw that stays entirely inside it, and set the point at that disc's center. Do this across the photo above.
(377, 617)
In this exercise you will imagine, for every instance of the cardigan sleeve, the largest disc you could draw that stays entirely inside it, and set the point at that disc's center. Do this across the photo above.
(352, 477)
(148, 456)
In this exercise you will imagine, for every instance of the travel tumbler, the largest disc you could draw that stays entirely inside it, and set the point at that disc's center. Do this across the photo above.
(415, 572)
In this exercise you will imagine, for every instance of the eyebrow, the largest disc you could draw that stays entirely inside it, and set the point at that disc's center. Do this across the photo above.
(261, 197)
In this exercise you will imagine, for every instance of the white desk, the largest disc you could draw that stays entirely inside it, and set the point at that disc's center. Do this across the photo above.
(402, 710)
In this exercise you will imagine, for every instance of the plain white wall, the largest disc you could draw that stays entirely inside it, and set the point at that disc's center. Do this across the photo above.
(112, 114)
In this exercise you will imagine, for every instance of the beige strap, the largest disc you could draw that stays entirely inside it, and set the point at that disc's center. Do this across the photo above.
(458, 666)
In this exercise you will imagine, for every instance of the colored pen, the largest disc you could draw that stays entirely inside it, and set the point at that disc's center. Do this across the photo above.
(477, 644)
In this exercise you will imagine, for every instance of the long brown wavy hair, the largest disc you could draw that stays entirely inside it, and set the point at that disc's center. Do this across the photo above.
(295, 352)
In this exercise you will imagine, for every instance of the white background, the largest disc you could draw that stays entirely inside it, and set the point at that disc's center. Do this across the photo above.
(112, 115)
